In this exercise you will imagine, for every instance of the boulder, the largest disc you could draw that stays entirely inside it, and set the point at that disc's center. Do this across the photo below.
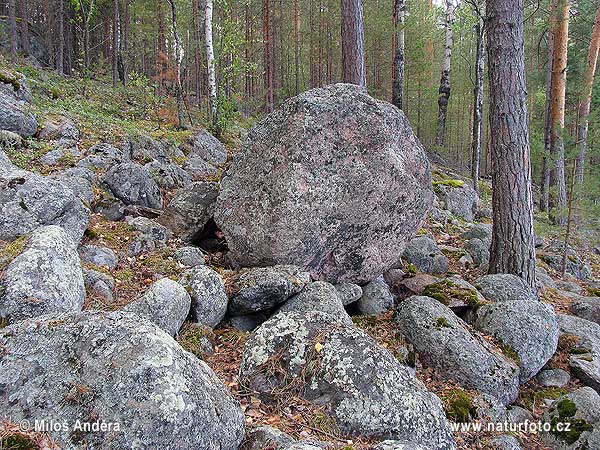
(425, 255)
(166, 304)
(525, 328)
(151, 235)
(98, 256)
(454, 292)
(79, 180)
(587, 308)
(15, 114)
(102, 157)
(302, 189)
(265, 437)
(581, 410)
(191, 209)
(349, 292)
(318, 296)
(416, 284)
(552, 254)
(44, 278)
(114, 368)
(262, 288)
(99, 284)
(133, 185)
(553, 378)
(376, 298)
(504, 287)
(458, 197)
(168, 176)
(585, 356)
(209, 298)
(208, 148)
(29, 200)
(360, 384)
(189, 256)
(444, 342)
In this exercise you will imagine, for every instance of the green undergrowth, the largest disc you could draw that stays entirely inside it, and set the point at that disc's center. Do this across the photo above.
(11, 250)
(459, 406)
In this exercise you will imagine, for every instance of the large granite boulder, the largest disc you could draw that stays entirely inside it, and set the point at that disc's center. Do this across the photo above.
(46, 277)
(444, 342)
(209, 297)
(334, 181)
(29, 200)
(505, 287)
(360, 384)
(15, 115)
(133, 185)
(424, 253)
(114, 368)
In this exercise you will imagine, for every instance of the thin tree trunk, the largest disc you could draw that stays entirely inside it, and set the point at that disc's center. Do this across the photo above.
(115, 44)
(12, 20)
(586, 98)
(210, 61)
(558, 191)
(125, 40)
(445, 84)
(513, 249)
(162, 51)
(296, 47)
(267, 55)
(477, 104)
(248, 58)
(353, 43)
(198, 51)
(398, 82)
(60, 53)
(181, 117)
(24, 27)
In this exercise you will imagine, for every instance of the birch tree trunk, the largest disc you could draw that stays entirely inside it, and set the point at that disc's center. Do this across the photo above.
(586, 98)
(210, 61)
(558, 191)
(353, 43)
(513, 249)
(181, 118)
(398, 82)
(477, 105)
(444, 90)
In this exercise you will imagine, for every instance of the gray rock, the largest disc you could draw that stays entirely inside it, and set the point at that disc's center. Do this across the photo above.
(526, 327)
(585, 361)
(516, 414)
(360, 384)
(102, 157)
(166, 304)
(417, 283)
(15, 115)
(302, 189)
(248, 322)
(265, 437)
(133, 185)
(569, 286)
(552, 254)
(99, 256)
(460, 201)
(349, 292)
(191, 209)
(424, 253)
(400, 445)
(79, 180)
(61, 129)
(209, 298)
(543, 280)
(198, 168)
(151, 235)
(45, 278)
(482, 231)
(28, 201)
(376, 298)
(262, 288)
(189, 256)
(580, 408)
(479, 251)
(114, 368)
(553, 378)
(100, 285)
(503, 287)
(505, 442)
(587, 308)
(444, 342)
(168, 176)
(208, 148)
(318, 296)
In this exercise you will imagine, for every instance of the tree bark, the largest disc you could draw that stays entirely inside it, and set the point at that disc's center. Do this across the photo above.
(398, 81)
(445, 84)
(125, 40)
(586, 98)
(60, 50)
(198, 52)
(181, 116)
(353, 43)
(115, 44)
(268, 55)
(296, 47)
(558, 191)
(12, 20)
(477, 104)
(545, 176)
(210, 61)
(513, 249)
(24, 27)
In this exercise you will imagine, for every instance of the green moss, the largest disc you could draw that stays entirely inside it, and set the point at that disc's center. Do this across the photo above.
(566, 410)
(10, 78)
(449, 182)
(595, 292)
(459, 406)
(510, 352)
(579, 351)
(3, 324)
(442, 322)
(17, 442)
(193, 336)
(530, 397)
(11, 251)
(162, 262)
(411, 269)
(446, 292)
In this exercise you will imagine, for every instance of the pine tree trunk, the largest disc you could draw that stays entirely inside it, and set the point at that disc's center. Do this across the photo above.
(115, 44)
(445, 86)
(12, 20)
(586, 98)
(162, 51)
(398, 82)
(60, 50)
(267, 55)
(545, 176)
(477, 104)
(24, 27)
(353, 43)
(513, 249)
(296, 47)
(198, 51)
(210, 62)
(558, 191)
(125, 40)
(248, 57)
